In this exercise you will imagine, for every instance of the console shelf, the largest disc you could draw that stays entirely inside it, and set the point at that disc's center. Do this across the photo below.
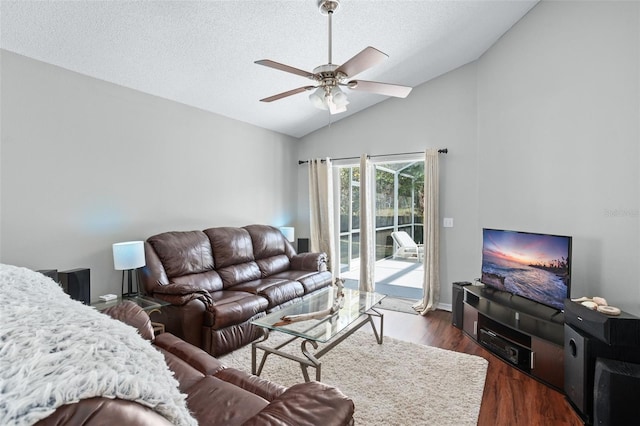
(524, 333)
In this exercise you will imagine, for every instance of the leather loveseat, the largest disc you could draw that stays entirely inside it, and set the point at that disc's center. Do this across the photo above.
(216, 395)
(220, 279)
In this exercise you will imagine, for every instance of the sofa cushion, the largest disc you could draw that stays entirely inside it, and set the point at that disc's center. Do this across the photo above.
(311, 281)
(315, 282)
(231, 246)
(268, 241)
(223, 403)
(236, 274)
(307, 403)
(273, 265)
(208, 280)
(183, 253)
(276, 291)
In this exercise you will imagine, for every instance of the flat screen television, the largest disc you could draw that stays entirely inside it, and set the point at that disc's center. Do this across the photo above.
(534, 266)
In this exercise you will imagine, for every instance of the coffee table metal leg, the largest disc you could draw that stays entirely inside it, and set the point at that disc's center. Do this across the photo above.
(315, 361)
(380, 315)
(254, 347)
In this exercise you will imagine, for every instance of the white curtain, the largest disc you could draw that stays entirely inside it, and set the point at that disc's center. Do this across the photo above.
(321, 211)
(431, 284)
(367, 225)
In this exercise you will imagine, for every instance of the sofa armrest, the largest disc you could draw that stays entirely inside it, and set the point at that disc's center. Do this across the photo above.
(194, 356)
(208, 365)
(181, 294)
(264, 388)
(133, 315)
(312, 403)
(309, 262)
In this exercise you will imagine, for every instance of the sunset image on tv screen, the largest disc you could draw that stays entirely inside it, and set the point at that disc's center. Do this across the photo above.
(535, 266)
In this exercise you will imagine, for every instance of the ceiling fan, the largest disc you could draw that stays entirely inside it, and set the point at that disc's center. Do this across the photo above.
(330, 77)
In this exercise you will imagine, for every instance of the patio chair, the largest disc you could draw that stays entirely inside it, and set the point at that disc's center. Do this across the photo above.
(407, 248)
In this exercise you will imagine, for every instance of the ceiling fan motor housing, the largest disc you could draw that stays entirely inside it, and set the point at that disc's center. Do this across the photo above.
(328, 6)
(326, 75)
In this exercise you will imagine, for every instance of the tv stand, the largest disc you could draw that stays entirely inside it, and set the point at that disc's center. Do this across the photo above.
(523, 333)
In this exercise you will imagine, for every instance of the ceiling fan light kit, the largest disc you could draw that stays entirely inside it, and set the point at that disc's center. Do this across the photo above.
(329, 77)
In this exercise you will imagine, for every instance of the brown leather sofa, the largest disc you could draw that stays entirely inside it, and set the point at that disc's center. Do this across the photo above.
(220, 279)
(216, 395)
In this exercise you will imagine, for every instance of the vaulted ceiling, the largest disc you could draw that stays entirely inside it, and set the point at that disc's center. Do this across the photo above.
(202, 53)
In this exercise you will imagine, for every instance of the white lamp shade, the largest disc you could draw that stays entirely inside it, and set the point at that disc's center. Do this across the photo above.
(317, 98)
(128, 255)
(289, 233)
(338, 97)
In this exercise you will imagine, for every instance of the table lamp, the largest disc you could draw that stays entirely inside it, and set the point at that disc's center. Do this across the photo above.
(289, 233)
(128, 256)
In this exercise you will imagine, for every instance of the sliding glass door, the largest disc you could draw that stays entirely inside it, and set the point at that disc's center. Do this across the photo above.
(399, 207)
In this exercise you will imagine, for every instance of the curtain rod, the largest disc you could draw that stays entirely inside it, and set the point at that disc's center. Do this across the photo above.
(440, 151)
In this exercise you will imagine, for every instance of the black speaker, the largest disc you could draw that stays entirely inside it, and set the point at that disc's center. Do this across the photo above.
(303, 245)
(615, 393)
(76, 283)
(457, 299)
(623, 329)
(581, 352)
(578, 370)
(51, 273)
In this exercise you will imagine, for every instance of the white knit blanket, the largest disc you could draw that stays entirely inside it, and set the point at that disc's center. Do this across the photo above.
(56, 351)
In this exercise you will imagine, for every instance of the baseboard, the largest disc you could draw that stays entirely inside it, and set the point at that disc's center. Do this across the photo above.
(445, 306)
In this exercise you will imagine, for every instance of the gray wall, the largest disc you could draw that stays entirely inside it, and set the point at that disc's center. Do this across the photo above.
(558, 138)
(85, 164)
(543, 132)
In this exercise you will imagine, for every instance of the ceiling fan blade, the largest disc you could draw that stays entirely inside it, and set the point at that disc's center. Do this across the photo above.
(380, 88)
(367, 58)
(287, 93)
(285, 68)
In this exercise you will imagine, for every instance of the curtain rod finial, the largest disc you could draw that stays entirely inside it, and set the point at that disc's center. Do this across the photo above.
(443, 151)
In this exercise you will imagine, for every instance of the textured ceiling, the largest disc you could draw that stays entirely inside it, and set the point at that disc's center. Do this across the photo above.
(201, 53)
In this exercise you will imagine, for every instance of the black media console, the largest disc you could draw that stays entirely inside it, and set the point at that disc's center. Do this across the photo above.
(524, 333)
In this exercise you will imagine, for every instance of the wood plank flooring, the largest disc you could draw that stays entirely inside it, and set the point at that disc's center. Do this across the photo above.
(510, 397)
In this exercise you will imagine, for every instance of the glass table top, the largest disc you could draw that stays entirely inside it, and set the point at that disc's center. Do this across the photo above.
(356, 304)
(145, 302)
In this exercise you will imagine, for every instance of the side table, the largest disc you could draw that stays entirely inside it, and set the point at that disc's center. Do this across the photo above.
(147, 303)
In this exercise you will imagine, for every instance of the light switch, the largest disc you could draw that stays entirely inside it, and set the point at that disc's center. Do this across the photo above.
(448, 222)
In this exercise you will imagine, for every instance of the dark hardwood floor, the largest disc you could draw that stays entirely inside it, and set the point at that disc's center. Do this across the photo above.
(510, 397)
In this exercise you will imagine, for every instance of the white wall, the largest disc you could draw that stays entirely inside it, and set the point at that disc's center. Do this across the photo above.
(86, 163)
(544, 135)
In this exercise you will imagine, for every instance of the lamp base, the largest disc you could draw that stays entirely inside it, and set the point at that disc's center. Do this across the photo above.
(130, 292)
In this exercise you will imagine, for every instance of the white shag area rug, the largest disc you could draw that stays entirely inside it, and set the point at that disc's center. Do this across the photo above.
(56, 351)
(396, 383)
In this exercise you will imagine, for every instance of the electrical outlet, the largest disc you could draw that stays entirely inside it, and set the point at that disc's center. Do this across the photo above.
(448, 222)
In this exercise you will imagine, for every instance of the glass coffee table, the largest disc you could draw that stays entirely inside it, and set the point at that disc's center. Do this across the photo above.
(147, 303)
(356, 311)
